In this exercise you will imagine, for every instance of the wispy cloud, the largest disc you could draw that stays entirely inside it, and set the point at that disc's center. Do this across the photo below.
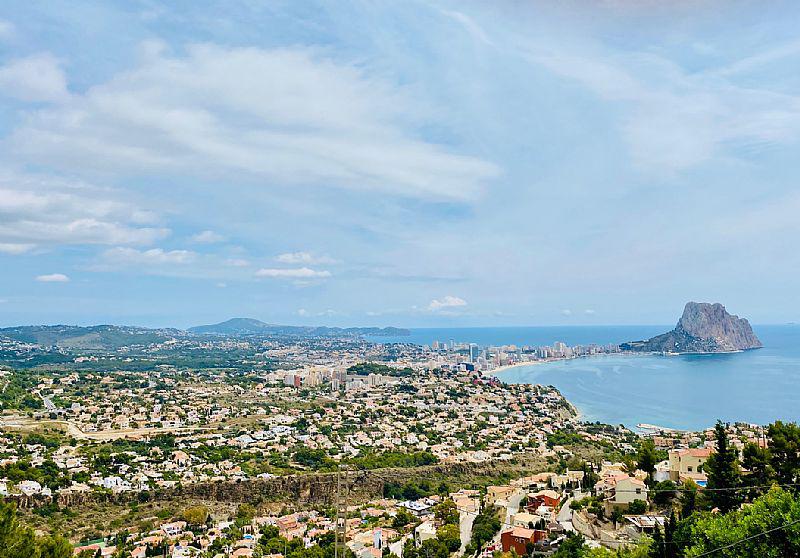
(41, 210)
(154, 256)
(288, 115)
(305, 258)
(207, 237)
(35, 78)
(292, 273)
(53, 278)
(446, 303)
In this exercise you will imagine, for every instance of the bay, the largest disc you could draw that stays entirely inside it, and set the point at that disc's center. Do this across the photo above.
(685, 392)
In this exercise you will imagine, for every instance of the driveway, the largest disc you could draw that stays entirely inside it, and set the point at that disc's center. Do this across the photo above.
(465, 520)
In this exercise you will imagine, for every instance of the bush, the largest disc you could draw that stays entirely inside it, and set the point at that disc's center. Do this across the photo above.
(637, 507)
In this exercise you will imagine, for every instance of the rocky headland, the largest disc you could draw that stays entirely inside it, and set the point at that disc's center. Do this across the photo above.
(703, 328)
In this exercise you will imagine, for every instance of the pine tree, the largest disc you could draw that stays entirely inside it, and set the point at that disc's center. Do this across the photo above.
(722, 469)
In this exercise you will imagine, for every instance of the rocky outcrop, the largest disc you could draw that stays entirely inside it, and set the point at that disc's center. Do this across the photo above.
(312, 488)
(703, 328)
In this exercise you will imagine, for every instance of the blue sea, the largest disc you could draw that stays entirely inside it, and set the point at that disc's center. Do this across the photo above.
(686, 392)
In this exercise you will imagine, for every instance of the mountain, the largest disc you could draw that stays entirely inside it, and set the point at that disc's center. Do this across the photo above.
(88, 337)
(234, 326)
(703, 328)
(251, 326)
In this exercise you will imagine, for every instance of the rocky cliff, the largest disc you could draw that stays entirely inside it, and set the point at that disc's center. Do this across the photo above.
(703, 328)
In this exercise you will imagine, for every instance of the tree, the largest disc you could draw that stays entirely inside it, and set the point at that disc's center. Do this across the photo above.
(757, 462)
(637, 507)
(484, 527)
(664, 493)
(657, 549)
(196, 515)
(18, 541)
(646, 457)
(759, 530)
(571, 547)
(450, 535)
(784, 448)
(54, 547)
(722, 469)
(245, 514)
(616, 516)
(432, 548)
(689, 498)
(447, 512)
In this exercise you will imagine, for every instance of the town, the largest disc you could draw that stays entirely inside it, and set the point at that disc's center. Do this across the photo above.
(152, 426)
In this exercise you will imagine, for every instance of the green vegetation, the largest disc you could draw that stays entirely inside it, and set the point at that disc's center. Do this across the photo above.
(367, 368)
(722, 469)
(484, 528)
(18, 541)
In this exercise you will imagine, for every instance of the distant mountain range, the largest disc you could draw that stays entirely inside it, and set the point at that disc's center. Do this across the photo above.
(111, 336)
(250, 326)
(703, 328)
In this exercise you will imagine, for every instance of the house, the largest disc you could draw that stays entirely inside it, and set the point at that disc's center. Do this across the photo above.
(524, 519)
(181, 458)
(519, 538)
(29, 487)
(621, 491)
(424, 531)
(417, 508)
(647, 523)
(173, 529)
(495, 494)
(687, 461)
(549, 498)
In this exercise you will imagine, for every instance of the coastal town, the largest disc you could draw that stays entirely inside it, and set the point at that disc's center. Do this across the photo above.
(152, 428)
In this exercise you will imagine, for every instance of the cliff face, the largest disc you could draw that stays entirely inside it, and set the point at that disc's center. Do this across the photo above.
(703, 328)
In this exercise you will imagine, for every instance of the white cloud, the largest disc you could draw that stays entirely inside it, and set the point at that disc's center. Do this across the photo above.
(35, 78)
(446, 302)
(155, 256)
(304, 258)
(566, 312)
(6, 29)
(38, 210)
(588, 312)
(52, 278)
(674, 119)
(286, 116)
(295, 273)
(15, 247)
(302, 312)
(237, 262)
(207, 237)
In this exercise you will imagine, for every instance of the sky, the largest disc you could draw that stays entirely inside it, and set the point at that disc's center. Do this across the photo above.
(418, 163)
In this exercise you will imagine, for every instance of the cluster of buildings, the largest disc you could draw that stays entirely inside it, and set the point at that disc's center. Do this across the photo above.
(471, 356)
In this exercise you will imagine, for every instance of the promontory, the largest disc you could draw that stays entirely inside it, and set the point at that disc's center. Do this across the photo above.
(703, 328)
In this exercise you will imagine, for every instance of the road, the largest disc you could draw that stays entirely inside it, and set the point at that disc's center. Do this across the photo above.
(465, 521)
(564, 516)
(513, 505)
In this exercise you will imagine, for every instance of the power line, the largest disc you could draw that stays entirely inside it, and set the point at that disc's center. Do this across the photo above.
(740, 541)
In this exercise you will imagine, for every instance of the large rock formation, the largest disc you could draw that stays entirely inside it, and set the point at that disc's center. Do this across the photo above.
(703, 328)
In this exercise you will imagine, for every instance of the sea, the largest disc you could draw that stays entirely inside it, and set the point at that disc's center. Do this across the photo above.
(685, 392)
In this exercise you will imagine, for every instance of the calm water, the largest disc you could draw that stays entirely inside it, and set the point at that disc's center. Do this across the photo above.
(687, 392)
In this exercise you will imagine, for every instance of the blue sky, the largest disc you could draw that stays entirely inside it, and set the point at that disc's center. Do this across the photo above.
(415, 163)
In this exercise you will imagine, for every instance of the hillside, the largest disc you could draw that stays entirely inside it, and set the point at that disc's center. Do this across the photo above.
(88, 337)
(251, 326)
